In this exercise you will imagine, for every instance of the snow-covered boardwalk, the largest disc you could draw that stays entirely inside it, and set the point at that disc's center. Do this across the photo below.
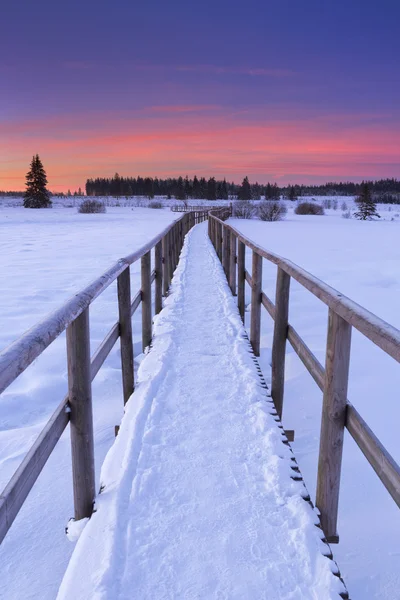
(197, 497)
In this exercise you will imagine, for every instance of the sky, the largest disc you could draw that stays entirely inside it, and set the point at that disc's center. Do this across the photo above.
(284, 91)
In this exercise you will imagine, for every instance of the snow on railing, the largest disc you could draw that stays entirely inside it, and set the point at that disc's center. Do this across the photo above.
(337, 412)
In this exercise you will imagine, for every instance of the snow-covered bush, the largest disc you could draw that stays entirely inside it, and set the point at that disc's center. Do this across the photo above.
(92, 206)
(309, 208)
(327, 203)
(344, 206)
(243, 209)
(271, 210)
(346, 214)
(155, 204)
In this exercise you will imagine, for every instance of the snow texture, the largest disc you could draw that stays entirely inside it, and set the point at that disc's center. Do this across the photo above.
(197, 499)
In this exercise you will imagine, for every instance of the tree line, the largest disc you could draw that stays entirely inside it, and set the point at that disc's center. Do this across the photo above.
(386, 190)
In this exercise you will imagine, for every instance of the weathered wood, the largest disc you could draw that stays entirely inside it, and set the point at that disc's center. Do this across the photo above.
(125, 332)
(279, 340)
(226, 251)
(308, 359)
(255, 316)
(333, 422)
(170, 258)
(158, 276)
(21, 483)
(104, 350)
(146, 300)
(136, 302)
(378, 457)
(232, 265)
(241, 258)
(80, 401)
(268, 304)
(247, 277)
(165, 264)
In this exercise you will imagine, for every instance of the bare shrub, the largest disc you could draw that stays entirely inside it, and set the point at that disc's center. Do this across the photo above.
(309, 208)
(346, 214)
(335, 204)
(271, 210)
(243, 209)
(155, 204)
(344, 206)
(327, 203)
(92, 206)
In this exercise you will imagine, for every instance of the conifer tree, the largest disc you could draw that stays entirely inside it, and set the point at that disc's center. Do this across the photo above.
(36, 195)
(245, 190)
(211, 189)
(366, 204)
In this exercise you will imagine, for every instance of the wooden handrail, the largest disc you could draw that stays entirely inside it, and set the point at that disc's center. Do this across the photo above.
(76, 408)
(337, 412)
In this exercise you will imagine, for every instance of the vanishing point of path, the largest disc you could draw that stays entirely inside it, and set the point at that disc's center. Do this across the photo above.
(197, 501)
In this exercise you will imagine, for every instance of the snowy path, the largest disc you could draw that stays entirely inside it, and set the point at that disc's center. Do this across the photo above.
(198, 501)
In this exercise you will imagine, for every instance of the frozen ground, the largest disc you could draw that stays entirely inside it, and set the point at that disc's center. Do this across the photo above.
(45, 257)
(362, 260)
(197, 498)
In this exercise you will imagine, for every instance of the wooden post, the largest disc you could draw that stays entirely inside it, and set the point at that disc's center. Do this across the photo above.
(125, 332)
(80, 401)
(146, 300)
(170, 257)
(241, 278)
(226, 251)
(333, 422)
(165, 263)
(232, 265)
(158, 253)
(255, 317)
(279, 341)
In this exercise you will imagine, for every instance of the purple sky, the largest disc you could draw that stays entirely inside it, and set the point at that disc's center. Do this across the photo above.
(282, 91)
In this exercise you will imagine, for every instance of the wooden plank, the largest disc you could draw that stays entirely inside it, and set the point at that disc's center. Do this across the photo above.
(125, 332)
(165, 264)
(146, 300)
(268, 304)
(332, 423)
(136, 302)
(378, 457)
(255, 316)
(232, 265)
(279, 339)
(80, 401)
(21, 483)
(226, 251)
(104, 350)
(241, 258)
(308, 359)
(158, 276)
(247, 277)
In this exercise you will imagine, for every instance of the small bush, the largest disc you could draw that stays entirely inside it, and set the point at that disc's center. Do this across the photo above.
(344, 206)
(271, 210)
(92, 206)
(327, 203)
(243, 209)
(335, 204)
(308, 208)
(346, 214)
(155, 204)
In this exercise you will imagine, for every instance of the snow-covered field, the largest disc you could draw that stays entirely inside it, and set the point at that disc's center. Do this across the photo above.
(45, 257)
(362, 260)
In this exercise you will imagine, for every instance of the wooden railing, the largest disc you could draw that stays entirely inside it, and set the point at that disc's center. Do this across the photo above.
(337, 412)
(76, 408)
(191, 208)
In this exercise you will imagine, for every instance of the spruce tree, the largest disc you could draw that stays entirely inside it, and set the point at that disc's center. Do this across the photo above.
(245, 190)
(366, 205)
(36, 195)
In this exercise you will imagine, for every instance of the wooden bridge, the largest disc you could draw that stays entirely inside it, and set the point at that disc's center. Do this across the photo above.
(338, 413)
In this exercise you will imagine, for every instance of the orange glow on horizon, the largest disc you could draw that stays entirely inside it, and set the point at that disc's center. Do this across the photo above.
(203, 140)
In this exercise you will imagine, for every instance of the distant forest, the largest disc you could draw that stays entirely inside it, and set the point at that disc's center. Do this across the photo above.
(383, 190)
(181, 188)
